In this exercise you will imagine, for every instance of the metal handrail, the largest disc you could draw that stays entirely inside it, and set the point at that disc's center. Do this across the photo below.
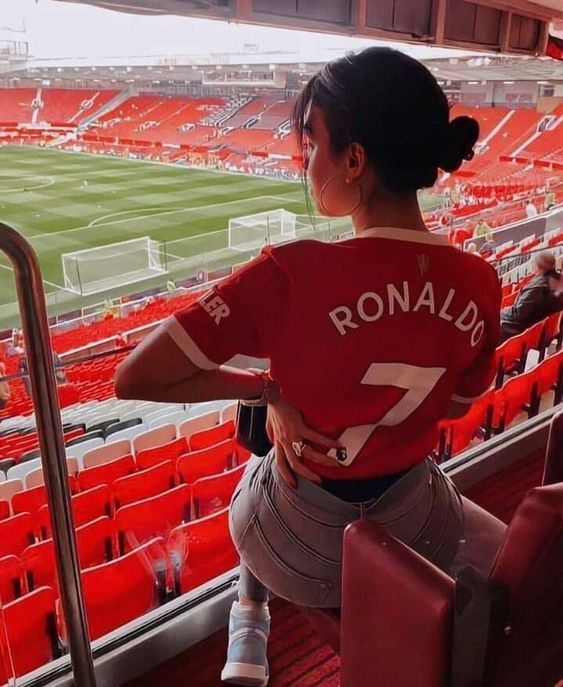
(31, 298)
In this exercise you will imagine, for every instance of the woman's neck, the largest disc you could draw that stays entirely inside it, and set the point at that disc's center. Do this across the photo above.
(389, 210)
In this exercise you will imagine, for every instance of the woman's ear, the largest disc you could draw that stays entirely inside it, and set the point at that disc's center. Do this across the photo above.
(356, 161)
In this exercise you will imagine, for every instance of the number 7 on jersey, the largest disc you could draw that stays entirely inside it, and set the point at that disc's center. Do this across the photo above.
(418, 383)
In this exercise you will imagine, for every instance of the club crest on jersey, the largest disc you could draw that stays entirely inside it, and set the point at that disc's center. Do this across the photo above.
(423, 263)
(215, 306)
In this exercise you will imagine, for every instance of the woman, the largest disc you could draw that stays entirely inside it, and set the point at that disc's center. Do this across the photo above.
(371, 342)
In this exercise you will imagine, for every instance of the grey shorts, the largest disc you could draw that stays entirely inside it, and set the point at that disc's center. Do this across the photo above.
(291, 539)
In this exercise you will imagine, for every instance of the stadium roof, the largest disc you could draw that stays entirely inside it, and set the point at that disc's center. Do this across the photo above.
(505, 25)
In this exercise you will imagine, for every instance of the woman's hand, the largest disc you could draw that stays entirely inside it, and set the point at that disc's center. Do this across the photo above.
(285, 426)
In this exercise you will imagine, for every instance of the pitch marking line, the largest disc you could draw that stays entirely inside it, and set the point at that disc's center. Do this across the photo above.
(195, 208)
(50, 182)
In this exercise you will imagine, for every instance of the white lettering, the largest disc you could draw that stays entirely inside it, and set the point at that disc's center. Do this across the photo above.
(443, 310)
(370, 295)
(393, 295)
(471, 309)
(215, 306)
(426, 298)
(476, 337)
(342, 322)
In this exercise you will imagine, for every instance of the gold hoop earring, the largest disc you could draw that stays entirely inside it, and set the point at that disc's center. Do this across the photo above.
(322, 205)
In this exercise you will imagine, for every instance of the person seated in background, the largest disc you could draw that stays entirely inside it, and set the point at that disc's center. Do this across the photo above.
(5, 391)
(15, 346)
(531, 210)
(541, 297)
(482, 229)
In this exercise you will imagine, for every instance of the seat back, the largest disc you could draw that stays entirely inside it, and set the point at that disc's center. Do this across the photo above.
(415, 651)
(211, 494)
(162, 434)
(106, 452)
(170, 451)
(106, 473)
(529, 567)
(212, 435)
(143, 484)
(209, 461)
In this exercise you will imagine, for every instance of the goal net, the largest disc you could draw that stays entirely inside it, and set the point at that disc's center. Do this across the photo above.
(253, 231)
(94, 270)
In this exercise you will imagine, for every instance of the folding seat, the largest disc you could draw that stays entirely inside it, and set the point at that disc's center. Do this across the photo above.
(143, 484)
(553, 329)
(154, 437)
(10, 579)
(228, 412)
(127, 433)
(77, 450)
(9, 488)
(33, 499)
(198, 422)
(170, 451)
(155, 516)
(16, 533)
(203, 550)
(510, 356)
(123, 425)
(211, 494)
(36, 477)
(533, 336)
(211, 436)
(517, 395)
(86, 506)
(175, 418)
(124, 589)
(106, 473)
(95, 542)
(207, 462)
(20, 470)
(457, 434)
(31, 633)
(4, 510)
(105, 453)
(549, 376)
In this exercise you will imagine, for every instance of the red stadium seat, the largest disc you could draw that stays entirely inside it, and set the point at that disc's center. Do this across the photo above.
(123, 589)
(95, 542)
(153, 517)
(143, 484)
(153, 456)
(4, 510)
(30, 632)
(31, 500)
(210, 494)
(10, 579)
(549, 376)
(106, 473)
(211, 436)
(205, 549)
(206, 462)
(86, 506)
(16, 533)
(518, 394)
(384, 580)
(510, 356)
(459, 433)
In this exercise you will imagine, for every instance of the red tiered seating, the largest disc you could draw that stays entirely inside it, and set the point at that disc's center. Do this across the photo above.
(210, 494)
(10, 579)
(106, 473)
(152, 517)
(30, 633)
(205, 549)
(123, 589)
(95, 544)
(209, 461)
(169, 452)
(211, 436)
(86, 506)
(144, 484)
(16, 533)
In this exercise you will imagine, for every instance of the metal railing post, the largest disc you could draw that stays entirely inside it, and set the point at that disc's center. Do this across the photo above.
(31, 298)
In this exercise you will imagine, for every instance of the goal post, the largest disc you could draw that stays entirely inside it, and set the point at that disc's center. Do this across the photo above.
(93, 270)
(263, 228)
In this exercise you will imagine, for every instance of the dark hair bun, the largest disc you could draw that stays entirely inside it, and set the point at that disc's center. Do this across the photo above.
(462, 134)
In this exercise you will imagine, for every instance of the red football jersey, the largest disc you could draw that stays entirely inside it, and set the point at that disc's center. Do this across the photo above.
(369, 337)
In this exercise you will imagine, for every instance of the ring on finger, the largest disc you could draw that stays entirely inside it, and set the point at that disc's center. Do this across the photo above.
(298, 447)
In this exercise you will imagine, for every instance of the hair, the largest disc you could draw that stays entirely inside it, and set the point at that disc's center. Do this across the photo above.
(393, 106)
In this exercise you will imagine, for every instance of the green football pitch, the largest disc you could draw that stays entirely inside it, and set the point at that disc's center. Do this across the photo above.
(64, 202)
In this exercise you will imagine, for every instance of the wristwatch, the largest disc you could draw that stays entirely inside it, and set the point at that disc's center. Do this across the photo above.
(271, 392)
